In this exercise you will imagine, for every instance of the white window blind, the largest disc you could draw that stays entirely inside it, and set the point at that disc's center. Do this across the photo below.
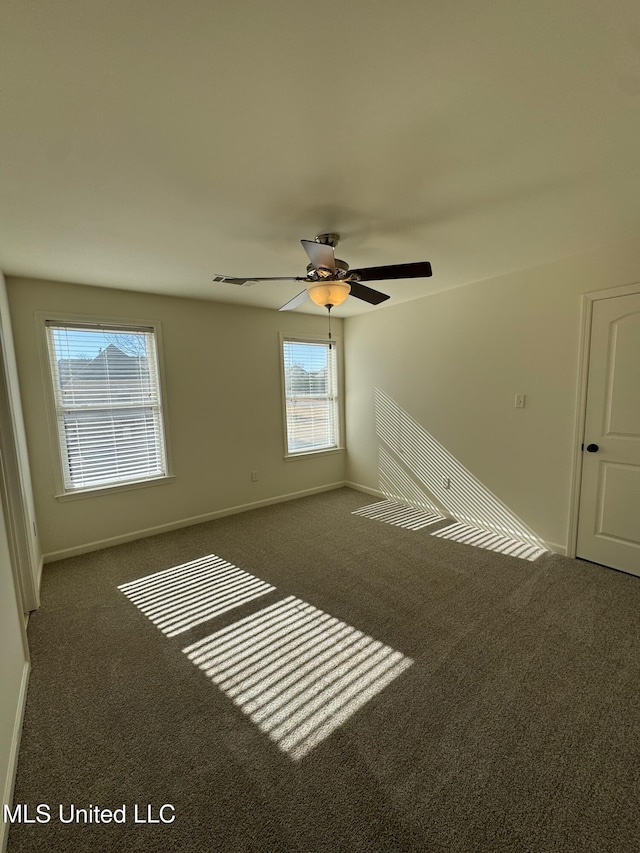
(108, 405)
(311, 395)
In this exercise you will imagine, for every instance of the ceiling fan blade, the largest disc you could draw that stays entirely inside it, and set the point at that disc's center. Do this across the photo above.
(320, 254)
(228, 279)
(421, 269)
(368, 294)
(295, 302)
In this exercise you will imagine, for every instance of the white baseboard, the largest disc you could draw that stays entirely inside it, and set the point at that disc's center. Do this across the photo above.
(366, 489)
(183, 522)
(210, 516)
(10, 780)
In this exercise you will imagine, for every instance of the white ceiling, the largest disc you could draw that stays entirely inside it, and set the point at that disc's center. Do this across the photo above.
(150, 145)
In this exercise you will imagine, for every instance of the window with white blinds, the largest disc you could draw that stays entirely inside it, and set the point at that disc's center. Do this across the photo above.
(311, 395)
(107, 398)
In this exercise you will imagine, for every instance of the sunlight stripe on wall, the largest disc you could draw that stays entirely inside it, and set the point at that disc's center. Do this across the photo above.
(297, 672)
(396, 485)
(179, 598)
(427, 461)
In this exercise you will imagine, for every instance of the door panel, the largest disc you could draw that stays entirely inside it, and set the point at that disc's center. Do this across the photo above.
(609, 516)
(619, 499)
(622, 410)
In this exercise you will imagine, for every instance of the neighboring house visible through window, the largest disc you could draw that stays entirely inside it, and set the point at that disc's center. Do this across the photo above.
(311, 395)
(108, 406)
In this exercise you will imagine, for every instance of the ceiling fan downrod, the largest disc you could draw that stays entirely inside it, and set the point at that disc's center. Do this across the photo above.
(328, 239)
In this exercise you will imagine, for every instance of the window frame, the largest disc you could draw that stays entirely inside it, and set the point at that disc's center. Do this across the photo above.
(339, 447)
(92, 321)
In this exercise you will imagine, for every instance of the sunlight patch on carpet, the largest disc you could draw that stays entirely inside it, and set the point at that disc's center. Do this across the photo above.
(490, 541)
(399, 515)
(178, 599)
(297, 672)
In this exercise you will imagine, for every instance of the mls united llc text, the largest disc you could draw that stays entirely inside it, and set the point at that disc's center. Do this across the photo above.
(70, 813)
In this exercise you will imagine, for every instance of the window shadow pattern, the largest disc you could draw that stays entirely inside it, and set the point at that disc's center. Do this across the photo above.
(412, 467)
(398, 486)
(296, 672)
(489, 541)
(180, 598)
(398, 514)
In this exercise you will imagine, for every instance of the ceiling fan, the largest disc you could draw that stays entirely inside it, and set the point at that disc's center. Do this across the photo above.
(329, 280)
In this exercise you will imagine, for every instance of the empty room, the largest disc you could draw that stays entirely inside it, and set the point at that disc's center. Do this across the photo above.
(320, 427)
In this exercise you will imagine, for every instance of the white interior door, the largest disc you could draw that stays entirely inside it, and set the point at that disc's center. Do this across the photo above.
(609, 515)
(12, 500)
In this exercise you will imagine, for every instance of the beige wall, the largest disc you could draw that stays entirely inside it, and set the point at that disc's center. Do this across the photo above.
(455, 360)
(222, 371)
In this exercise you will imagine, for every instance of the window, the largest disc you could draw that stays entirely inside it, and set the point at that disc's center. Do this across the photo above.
(106, 392)
(311, 395)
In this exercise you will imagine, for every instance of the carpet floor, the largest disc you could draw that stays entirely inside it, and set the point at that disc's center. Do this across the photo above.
(300, 678)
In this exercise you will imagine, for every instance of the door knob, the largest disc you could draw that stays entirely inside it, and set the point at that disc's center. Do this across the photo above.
(592, 448)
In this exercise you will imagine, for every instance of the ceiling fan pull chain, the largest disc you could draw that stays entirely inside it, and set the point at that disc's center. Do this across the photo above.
(329, 307)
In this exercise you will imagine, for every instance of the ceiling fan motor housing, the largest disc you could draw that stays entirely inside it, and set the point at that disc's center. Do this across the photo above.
(321, 273)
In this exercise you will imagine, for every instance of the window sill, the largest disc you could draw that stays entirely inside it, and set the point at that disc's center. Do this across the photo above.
(306, 454)
(117, 487)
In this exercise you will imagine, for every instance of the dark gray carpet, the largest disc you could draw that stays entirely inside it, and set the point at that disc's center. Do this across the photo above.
(517, 728)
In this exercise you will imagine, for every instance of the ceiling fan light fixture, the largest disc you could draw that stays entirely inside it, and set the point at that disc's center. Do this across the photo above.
(329, 293)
